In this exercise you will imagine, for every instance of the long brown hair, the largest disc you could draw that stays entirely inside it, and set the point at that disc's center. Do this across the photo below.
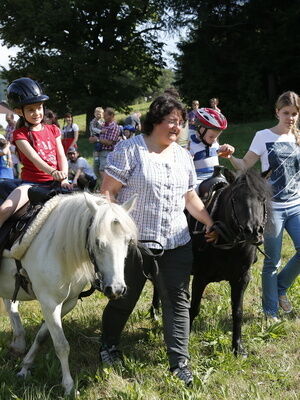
(286, 99)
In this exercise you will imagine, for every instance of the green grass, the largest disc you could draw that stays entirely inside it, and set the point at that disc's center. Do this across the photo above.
(271, 370)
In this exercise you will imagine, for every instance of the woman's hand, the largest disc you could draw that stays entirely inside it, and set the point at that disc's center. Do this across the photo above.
(211, 235)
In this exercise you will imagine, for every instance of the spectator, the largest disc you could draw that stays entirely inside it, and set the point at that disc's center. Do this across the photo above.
(173, 92)
(70, 132)
(134, 120)
(128, 131)
(6, 171)
(51, 118)
(191, 115)
(95, 129)
(108, 137)
(214, 102)
(10, 127)
(80, 172)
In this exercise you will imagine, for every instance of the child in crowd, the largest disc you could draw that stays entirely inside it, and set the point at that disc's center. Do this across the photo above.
(39, 146)
(70, 132)
(10, 127)
(128, 131)
(80, 172)
(6, 171)
(214, 102)
(51, 118)
(95, 130)
(203, 144)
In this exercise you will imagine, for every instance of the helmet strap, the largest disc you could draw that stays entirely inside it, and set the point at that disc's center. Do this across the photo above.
(202, 134)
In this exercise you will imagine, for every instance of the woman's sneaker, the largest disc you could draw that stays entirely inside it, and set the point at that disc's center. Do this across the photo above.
(285, 304)
(110, 355)
(182, 372)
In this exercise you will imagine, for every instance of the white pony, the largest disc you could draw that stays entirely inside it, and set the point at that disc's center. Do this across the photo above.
(81, 233)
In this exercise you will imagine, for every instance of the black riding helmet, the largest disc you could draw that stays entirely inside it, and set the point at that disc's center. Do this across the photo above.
(24, 91)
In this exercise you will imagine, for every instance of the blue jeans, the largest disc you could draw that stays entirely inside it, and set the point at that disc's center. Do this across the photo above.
(275, 284)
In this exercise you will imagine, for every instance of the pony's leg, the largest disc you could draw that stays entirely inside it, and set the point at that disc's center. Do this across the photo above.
(18, 343)
(237, 298)
(198, 287)
(154, 309)
(53, 314)
(27, 362)
(42, 335)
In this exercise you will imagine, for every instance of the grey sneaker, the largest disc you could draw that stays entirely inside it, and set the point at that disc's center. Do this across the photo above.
(285, 304)
(110, 355)
(182, 372)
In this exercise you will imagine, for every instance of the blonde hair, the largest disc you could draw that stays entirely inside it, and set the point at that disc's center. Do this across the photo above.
(286, 99)
(99, 109)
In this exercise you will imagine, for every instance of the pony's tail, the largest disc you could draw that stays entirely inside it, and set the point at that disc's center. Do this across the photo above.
(2, 306)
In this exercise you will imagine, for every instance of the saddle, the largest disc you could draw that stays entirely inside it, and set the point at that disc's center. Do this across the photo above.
(208, 191)
(15, 227)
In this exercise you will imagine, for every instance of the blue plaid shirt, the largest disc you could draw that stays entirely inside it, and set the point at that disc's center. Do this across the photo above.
(161, 186)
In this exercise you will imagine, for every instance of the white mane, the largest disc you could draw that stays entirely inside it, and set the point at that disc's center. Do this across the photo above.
(74, 225)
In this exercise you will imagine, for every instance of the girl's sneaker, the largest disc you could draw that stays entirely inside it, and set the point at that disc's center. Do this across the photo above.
(285, 304)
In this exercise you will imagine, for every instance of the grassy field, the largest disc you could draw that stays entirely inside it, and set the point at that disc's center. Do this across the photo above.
(271, 370)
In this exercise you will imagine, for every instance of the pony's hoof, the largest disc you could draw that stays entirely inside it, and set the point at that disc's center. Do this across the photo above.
(72, 394)
(24, 374)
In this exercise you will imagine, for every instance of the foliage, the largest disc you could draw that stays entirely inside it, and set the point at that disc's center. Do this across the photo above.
(244, 52)
(86, 53)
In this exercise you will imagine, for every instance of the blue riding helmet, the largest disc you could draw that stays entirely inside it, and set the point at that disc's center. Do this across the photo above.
(129, 128)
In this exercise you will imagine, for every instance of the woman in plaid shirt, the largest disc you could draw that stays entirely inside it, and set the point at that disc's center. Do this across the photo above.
(162, 173)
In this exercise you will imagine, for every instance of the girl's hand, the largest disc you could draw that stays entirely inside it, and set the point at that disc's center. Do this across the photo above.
(58, 175)
(65, 184)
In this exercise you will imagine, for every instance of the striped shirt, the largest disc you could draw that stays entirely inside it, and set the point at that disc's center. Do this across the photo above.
(205, 157)
(161, 186)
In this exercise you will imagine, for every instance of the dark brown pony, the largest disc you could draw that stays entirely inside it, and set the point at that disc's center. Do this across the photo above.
(239, 209)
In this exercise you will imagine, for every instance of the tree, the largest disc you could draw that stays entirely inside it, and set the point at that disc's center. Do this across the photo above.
(85, 52)
(245, 52)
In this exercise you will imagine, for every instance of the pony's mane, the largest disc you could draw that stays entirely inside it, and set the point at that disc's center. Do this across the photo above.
(257, 184)
(76, 226)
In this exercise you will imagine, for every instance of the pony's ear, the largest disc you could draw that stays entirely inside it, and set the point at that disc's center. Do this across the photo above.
(129, 204)
(229, 175)
(266, 174)
(93, 206)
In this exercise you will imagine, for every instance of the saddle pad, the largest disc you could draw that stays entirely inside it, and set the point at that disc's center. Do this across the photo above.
(19, 249)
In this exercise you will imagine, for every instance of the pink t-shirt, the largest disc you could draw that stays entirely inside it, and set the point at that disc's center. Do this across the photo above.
(44, 143)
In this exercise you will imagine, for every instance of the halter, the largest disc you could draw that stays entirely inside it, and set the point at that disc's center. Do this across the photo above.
(97, 284)
(230, 235)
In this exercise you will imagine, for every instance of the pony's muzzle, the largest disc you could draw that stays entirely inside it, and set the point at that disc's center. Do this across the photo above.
(113, 292)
